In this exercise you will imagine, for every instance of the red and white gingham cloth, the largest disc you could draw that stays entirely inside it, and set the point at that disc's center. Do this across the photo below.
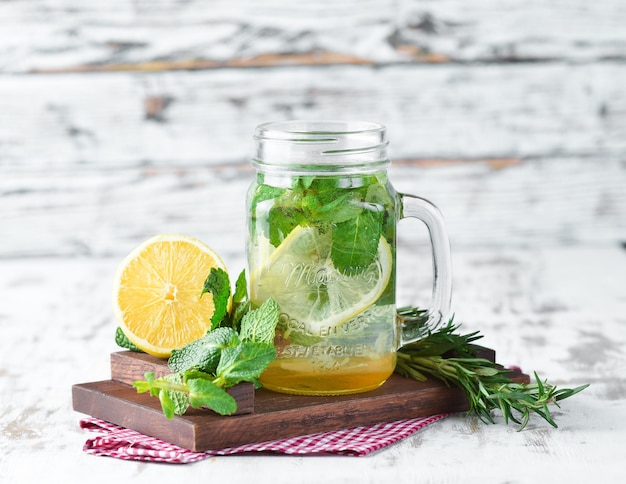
(122, 443)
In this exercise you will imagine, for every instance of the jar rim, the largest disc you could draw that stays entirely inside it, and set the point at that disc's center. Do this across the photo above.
(320, 145)
(316, 130)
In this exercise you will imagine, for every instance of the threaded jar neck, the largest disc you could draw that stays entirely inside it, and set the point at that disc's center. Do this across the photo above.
(320, 147)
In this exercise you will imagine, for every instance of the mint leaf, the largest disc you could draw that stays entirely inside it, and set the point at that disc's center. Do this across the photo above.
(123, 342)
(265, 192)
(355, 241)
(241, 288)
(180, 400)
(240, 310)
(262, 193)
(177, 391)
(218, 284)
(282, 219)
(244, 362)
(143, 386)
(259, 325)
(170, 391)
(378, 194)
(204, 353)
(204, 393)
(325, 188)
(307, 181)
(167, 404)
(342, 209)
(241, 304)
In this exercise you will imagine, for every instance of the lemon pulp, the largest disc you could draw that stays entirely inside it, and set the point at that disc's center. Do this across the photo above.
(300, 276)
(333, 337)
(156, 293)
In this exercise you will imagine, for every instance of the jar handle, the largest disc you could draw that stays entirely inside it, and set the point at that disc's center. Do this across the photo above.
(414, 325)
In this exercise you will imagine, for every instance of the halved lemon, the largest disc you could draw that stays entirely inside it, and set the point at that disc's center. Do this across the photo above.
(156, 293)
(300, 276)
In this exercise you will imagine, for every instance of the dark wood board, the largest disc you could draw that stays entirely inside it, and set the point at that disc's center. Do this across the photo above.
(129, 366)
(275, 415)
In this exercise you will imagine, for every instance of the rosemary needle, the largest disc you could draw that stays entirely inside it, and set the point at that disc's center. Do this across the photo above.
(451, 357)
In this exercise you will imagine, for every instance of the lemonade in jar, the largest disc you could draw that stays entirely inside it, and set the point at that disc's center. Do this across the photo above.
(321, 242)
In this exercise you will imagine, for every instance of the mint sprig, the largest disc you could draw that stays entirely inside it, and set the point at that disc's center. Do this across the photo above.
(204, 369)
(241, 303)
(355, 215)
(194, 390)
(355, 241)
(259, 325)
(218, 284)
(243, 363)
(204, 353)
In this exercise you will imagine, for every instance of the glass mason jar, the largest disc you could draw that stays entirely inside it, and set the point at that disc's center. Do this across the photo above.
(322, 243)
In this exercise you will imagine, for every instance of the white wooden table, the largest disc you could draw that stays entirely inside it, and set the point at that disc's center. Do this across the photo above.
(122, 120)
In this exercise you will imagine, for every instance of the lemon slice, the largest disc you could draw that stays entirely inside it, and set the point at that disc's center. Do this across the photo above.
(300, 276)
(156, 293)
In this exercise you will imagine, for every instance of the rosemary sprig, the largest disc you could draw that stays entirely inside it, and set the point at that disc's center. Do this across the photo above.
(451, 357)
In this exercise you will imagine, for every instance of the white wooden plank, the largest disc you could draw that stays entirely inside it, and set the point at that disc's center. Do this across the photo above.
(56, 314)
(60, 34)
(515, 30)
(537, 203)
(432, 112)
(526, 161)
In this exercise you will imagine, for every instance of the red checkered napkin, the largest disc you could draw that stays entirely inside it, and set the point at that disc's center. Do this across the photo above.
(122, 443)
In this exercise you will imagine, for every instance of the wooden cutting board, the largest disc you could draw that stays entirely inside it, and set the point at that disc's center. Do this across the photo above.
(272, 416)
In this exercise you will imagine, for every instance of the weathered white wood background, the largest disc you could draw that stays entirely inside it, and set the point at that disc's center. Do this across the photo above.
(123, 119)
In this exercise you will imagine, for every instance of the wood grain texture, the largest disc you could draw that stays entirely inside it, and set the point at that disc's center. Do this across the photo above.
(109, 121)
(535, 203)
(128, 367)
(275, 415)
(555, 310)
(515, 153)
(186, 34)
(509, 115)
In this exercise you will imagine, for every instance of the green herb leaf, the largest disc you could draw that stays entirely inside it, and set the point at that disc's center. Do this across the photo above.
(282, 219)
(167, 389)
(379, 194)
(259, 325)
(167, 404)
(307, 181)
(244, 362)
(218, 284)
(241, 288)
(220, 359)
(143, 386)
(241, 303)
(485, 383)
(342, 209)
(204, 353)
(204, 393)
(123, 342)
(355, 241)
(180, 400)
(487, 371)
(239, 311)
(325, 188)
(265, 192)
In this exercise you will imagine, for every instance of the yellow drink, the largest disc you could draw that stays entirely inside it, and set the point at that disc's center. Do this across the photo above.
(350, 375)
(321, 242)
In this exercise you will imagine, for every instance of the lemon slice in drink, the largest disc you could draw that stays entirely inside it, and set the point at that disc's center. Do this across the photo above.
(156, 293)
(300, 276)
